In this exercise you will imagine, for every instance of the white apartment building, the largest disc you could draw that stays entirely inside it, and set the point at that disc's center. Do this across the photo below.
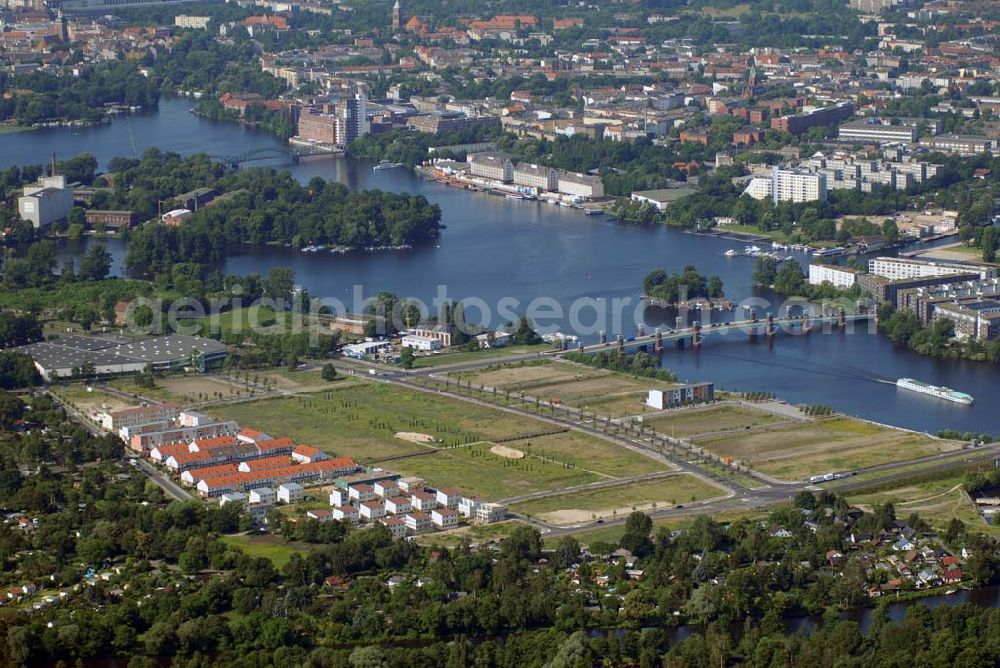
(444, 518)
(759, 188)
(899, 268)
(487, 513)
(838, 277)
(793, 185)
(198, 22)
(265, 495)
(291, 492)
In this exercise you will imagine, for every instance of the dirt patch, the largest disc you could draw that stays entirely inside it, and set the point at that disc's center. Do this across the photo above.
(415, 437)
(566, 517)
(504, 451)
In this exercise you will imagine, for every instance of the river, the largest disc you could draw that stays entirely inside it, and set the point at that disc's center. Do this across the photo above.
(494, 248)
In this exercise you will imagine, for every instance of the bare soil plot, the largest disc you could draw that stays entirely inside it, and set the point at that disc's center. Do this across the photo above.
(504, 451)
(583, 506)
(415, 437)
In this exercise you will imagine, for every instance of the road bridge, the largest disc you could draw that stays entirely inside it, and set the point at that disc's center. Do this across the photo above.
(695, 334)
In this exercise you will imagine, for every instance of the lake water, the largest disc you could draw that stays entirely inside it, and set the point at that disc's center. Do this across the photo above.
(495, 249)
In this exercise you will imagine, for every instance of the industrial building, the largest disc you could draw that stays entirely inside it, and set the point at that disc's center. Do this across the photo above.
(495, 166)
(536, 176)
(585, 186)
(46, 201)
(60, 358)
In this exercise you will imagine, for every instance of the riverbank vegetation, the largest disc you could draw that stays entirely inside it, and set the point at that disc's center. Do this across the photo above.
(638, 364)
(936, 340)
(261, 206)
(787, 278)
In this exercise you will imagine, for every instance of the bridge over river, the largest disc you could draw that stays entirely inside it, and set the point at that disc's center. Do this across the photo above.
(695, 334)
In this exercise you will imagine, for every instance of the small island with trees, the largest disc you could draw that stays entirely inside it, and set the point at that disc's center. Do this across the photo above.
(684, 289)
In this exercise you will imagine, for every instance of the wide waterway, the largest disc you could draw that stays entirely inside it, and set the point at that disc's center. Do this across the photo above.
(494, 248)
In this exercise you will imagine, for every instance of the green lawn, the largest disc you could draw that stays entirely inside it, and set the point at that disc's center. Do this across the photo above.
(274, 548)
(11, 129)
(475, 533)
(362, 421)
(620, 500)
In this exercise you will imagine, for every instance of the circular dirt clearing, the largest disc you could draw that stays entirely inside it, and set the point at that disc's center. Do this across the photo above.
(509, 453)
(415, 437)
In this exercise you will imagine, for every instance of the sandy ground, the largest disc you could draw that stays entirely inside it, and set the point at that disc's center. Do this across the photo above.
(574, 516)
(415, 437)
(509, 453)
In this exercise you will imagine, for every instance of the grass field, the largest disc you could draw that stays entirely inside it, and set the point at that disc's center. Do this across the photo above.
(695, 421)
(459, 356)
(936, 501)
(475, 533)
(11, 129)
(274, 548)
(620, 500)
(183, 389)
(90, 402)
(361, 421)
(818, 446)
(597, 390)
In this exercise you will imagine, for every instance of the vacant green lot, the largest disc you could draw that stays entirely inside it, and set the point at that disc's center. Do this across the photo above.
(274, 548)
(693, 421)
(598, 390)
(582, 506)
(818, 446)
(363, 421)
(458, 356)
(473, 533)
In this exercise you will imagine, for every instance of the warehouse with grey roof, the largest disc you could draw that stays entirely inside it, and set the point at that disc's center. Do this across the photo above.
(116, 355)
